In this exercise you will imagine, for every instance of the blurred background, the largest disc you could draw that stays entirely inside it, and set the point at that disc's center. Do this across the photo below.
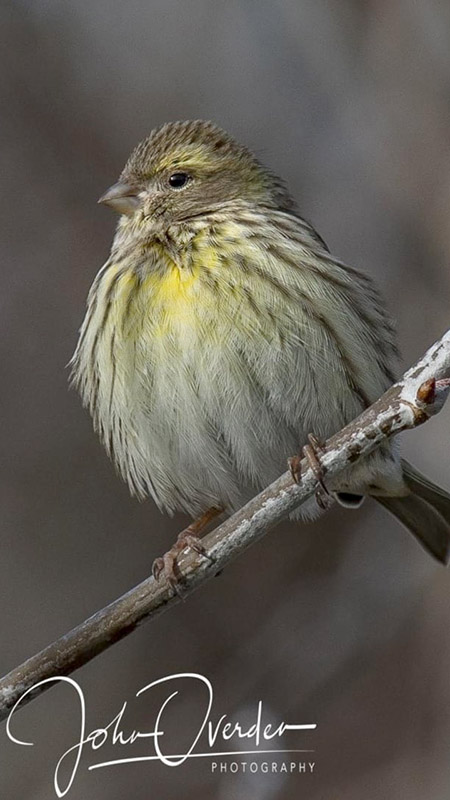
(344, 622)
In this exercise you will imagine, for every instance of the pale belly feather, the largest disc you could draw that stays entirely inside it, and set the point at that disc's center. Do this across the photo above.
(201, 387)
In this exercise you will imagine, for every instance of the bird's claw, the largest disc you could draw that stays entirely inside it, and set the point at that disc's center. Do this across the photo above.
(311, 452)
(168, 564)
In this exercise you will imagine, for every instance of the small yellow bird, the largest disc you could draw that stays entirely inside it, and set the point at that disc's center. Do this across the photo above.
(221, 332)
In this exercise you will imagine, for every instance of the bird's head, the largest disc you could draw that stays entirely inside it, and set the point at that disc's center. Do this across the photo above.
(186, 169)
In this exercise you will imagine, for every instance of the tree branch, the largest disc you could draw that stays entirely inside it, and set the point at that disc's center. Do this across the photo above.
(420, 394)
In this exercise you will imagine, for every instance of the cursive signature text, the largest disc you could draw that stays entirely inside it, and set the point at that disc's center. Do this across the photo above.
(218, 734)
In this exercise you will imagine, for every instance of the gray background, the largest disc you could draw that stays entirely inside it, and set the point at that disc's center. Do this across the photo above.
(344, 622)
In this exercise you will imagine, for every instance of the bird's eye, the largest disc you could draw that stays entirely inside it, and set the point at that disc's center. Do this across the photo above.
(178, 179)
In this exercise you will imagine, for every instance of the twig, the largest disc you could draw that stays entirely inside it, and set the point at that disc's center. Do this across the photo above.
(420, 394)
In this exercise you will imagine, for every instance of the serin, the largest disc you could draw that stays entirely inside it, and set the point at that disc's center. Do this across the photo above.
(221, 332)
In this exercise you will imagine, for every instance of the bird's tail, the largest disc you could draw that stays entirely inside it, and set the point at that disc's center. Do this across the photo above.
(425, 512)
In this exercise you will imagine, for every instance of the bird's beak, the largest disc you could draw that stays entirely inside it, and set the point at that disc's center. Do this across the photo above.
(121, 197)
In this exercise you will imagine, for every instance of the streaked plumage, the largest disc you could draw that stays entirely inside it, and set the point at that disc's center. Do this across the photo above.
(221, 331)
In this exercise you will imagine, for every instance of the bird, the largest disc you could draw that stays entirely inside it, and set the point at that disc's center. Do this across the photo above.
(221, 336)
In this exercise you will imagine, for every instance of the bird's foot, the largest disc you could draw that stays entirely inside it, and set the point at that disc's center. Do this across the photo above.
(167, 565)
(312, 452)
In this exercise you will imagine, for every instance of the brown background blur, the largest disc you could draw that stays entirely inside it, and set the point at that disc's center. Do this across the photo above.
(345, 622)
